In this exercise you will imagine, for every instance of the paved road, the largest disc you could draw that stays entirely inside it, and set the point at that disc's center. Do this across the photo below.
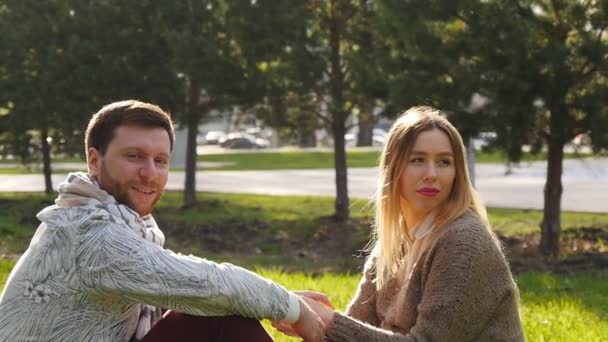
(585, 183)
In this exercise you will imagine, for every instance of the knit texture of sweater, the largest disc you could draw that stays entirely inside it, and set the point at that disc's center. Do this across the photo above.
(461, 289)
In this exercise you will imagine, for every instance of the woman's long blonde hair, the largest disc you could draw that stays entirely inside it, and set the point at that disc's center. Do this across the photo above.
(392, 240)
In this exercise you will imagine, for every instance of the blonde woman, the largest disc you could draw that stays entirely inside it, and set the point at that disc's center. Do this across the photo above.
(436, 271)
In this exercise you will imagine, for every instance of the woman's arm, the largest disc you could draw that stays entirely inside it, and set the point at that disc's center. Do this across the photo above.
(363, 305)
(467, 279)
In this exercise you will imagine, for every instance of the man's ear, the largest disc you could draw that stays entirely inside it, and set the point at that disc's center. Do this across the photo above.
(94, 161)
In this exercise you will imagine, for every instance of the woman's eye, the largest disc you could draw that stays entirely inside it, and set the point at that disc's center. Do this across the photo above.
(417, 160)
(445, 162)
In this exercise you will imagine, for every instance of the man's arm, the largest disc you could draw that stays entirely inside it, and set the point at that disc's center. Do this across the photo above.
(113, 260)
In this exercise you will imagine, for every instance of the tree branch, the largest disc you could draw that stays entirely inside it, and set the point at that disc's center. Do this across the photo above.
(558, 17)
(598, 41)
(587, 3)
(325, 119)
(464, 19)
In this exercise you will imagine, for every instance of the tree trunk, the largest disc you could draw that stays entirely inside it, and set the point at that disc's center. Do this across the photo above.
(551, 224)
(471, 159)
(342, 202)
(366, 128)
(307, 139)
(339, 114)
(192, 123)
(46, 160)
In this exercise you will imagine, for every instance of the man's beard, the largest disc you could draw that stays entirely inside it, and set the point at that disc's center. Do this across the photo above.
(120, 191)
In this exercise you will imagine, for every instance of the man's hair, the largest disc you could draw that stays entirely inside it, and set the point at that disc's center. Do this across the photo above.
(101, 127)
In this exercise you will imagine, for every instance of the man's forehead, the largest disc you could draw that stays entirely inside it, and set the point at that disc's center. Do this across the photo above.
(141, 136)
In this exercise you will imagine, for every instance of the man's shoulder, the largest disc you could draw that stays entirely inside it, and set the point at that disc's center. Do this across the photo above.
(55, 215)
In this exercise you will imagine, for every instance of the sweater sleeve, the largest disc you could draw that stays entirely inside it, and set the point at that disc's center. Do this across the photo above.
(467, 279)
(363, 305)
(113, 261)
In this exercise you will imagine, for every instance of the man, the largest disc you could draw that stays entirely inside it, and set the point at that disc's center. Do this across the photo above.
(95, 269)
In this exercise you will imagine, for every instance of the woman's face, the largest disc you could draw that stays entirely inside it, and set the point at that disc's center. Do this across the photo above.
(428, 176)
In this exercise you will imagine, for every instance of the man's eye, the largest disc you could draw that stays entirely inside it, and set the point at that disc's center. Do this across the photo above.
(162, 161)
(132, 155)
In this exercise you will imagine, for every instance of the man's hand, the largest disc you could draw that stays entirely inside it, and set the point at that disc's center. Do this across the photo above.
(317, 296)
(324, 312)
(308, 326)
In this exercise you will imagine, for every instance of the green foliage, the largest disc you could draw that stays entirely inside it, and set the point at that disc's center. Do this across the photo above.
(65, 60)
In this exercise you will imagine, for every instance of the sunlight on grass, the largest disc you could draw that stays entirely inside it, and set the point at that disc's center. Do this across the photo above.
(5, 269)
(554, 308)
(519, 221)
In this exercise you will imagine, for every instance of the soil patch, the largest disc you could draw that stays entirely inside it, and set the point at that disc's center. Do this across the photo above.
(581, 249)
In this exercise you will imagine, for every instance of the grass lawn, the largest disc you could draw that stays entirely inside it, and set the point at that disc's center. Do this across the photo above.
(267, 233)
(275, 160)
(554, 308)
(325, 160)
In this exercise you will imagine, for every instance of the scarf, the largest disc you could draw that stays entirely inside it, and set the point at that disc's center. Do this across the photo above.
(80, 189)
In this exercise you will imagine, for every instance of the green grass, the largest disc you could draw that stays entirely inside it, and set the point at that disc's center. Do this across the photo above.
(291, 217)
(564, 308)
(280, 160)
(5, 269)
(325, 160)
(511, 222)
(17, 219)
(554, 307)
(289, 160)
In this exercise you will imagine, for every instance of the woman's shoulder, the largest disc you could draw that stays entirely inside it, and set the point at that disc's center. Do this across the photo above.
(468, 231)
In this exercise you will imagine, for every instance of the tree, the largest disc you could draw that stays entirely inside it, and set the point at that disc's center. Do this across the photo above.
(33, 56)
(542, 64)
(561, 94)
(64, 60)
(319, 65)
(218, 51)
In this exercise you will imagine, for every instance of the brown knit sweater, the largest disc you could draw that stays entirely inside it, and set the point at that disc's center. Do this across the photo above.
(461, 289)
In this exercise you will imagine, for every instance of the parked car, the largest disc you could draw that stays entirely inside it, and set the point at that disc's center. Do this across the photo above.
(243, 140)
(378, 138)
(214, 137)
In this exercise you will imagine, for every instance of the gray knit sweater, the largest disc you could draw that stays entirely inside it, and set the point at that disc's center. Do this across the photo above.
(460, 290)
(90, 269)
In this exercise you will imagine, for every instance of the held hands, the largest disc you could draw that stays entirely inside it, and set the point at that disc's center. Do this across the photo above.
(316, 313)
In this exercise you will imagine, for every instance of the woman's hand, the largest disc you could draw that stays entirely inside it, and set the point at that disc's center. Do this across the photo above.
(309, 325)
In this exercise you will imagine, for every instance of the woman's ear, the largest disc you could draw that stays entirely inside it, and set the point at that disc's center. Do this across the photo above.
(93, 161)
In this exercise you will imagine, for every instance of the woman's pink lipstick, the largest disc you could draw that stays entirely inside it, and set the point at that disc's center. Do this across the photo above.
(428, 192)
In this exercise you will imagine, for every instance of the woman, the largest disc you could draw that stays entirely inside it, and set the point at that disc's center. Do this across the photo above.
(436, 271)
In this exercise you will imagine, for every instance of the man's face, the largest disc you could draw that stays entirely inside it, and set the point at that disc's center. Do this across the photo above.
(135, 167)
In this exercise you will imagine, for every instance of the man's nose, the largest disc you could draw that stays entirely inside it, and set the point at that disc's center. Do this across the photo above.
(148, 168)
